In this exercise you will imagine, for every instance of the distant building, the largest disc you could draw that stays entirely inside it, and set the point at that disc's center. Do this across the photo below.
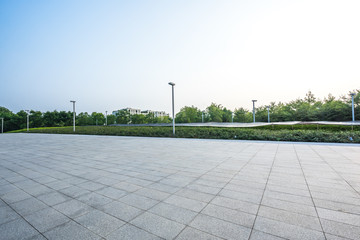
(134, 111)
(156, 113)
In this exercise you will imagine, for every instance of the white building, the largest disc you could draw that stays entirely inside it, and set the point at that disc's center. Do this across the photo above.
(134, 111)
(156, 113)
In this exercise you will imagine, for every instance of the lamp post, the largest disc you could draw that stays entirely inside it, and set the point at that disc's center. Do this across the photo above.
(2, 125)
(268, 108)
(27, 119)
(232, 117)
(173, 116)
(352, 106)
(254, 109)
(73, 112)
(106, 118)
(202, 116)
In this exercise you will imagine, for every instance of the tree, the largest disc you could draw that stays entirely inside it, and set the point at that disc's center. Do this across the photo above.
(123, 117)
(111, 119)
(242, 115)
(36, 119)
(215, 112)
(97, 118)
(226, 115)
(138, 119)
(8, 119)
(189, 115)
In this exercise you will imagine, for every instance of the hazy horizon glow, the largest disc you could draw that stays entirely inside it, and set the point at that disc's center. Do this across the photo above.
(109, 55)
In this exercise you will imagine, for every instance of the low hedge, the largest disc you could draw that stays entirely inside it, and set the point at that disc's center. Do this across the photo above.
(266, 134)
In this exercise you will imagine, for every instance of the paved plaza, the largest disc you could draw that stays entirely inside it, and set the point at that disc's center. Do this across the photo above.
(103, 187)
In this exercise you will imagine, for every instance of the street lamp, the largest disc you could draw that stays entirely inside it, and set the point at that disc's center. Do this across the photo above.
(254, 109)
(202, 116)
(268, 108)
(173, 116)
(106, 118)
(2, 125)
(27, 119)
(353, 110)
(232, 117)
(73, 112)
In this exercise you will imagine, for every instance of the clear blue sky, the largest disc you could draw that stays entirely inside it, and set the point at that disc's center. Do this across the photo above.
(108, 55)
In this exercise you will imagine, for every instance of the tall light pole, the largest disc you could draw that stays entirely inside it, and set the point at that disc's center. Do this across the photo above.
(73, 112)
(27, 119)
(2, 125)
(254, 109)
(268, 108)
(173, 113)
(202, 116)
(353, 110)
(232, 117)
(106, 118)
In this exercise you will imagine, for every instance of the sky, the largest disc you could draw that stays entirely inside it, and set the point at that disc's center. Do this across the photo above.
(108, 55)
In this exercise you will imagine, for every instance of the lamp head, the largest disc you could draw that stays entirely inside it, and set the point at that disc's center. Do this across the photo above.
(171, 83)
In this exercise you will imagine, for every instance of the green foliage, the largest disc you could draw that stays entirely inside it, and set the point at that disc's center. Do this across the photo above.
(123, 117)
(189, 115)
(307, 109)
(215, 112)
(282, 133)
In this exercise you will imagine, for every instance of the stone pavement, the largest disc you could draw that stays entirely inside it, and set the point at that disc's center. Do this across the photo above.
(101, 187)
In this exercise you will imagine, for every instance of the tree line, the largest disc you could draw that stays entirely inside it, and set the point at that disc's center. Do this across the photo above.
(15, 121)
(307, 109)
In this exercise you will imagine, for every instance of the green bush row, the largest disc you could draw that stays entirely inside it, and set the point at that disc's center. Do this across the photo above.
(214, 133)
(311, 127)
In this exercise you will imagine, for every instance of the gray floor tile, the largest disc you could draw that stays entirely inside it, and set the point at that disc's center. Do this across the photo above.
(257, 235)
(28, 206)
(121, 210)
(130, 232)
(91, 186)
(192, 233)
(7, 214)
(128, 187)
(173, 212)
(46, 219)
(112, 193)
(285, 230)
(104, 172)
(230, 215)
(94, 199)
(187, 203)
(139, 201)
(99, 222)
(73, 208)
(70, 231)
(290, 218)
(341, 229)
(236, 204)
(74, 191)
(164, 187)
(15, 196)
(192, 194)
(220, 228)
(289, 206)
(16, 230)
(337, 216)
(58, 185)
(53, 198)
(152, 193)
(157, 225)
